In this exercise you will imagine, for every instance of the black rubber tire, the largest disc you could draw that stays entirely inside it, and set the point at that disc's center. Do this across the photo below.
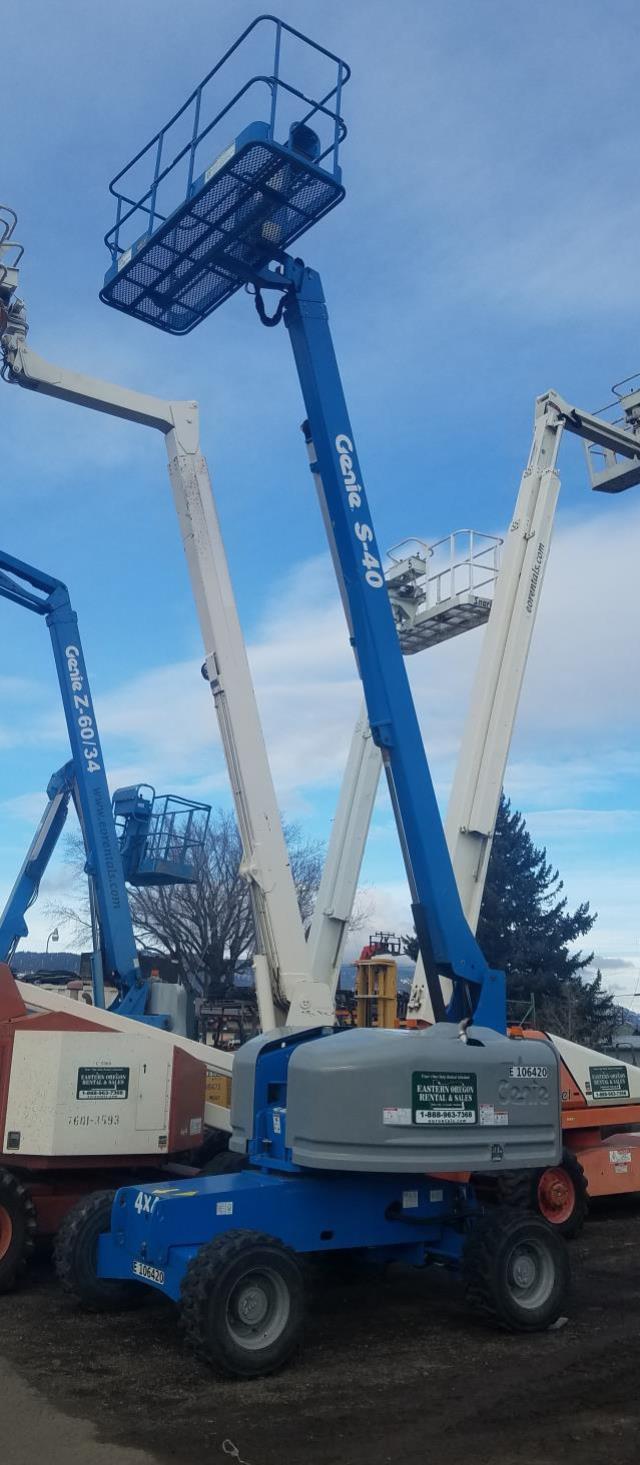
(74, 1258)
(516, 1189)
(225, 1163)
(489, 1287)
(519, 1190)
(18, 1225)
(207, 1291)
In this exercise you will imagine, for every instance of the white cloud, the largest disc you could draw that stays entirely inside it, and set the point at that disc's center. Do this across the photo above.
(575, 731)
(388, 908)
(25, 807)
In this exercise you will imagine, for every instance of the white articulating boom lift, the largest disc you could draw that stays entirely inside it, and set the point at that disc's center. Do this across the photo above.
(284, 988)
(475, 794)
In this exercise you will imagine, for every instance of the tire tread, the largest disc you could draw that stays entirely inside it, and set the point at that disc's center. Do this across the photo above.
(481, 1251)
(201, 1272)
(116, 1294)
(12, 1189)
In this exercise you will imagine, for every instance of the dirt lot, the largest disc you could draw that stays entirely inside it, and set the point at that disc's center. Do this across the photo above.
(392, 1370)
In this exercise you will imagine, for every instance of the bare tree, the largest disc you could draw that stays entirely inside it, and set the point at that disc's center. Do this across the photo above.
(73, 913)
(363, 910)
(207, 927)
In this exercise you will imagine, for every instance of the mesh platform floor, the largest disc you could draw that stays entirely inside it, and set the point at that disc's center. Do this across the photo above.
(262, 199)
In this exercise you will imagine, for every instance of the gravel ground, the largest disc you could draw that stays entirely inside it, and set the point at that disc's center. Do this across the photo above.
(392, 1369)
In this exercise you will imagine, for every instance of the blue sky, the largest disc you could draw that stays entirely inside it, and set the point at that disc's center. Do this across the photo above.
(486, 251)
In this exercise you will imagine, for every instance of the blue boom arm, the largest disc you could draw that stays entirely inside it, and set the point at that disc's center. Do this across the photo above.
(47, 597)
(447, 945)
(12, 921)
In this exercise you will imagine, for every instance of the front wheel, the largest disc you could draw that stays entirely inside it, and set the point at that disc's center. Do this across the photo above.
(17, 1228)
(516, 1270)
(76, 1257)
(243, 1304)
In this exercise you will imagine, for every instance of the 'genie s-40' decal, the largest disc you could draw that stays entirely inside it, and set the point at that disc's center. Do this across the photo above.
(363, 532)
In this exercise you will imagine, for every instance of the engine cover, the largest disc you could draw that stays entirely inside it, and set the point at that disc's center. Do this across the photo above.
(394, 1100)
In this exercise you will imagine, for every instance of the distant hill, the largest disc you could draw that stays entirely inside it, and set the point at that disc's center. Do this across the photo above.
(25, 962)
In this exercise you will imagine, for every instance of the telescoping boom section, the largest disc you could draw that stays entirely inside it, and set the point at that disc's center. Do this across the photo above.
(447, 945)
(241, 208)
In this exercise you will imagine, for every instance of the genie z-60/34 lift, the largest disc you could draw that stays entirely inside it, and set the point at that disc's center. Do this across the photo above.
(87, 1094)
(138, 839)
(353, 1140)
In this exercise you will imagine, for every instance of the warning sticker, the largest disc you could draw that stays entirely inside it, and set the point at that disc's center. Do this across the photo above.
(491, 1116)
(103, 1083)
(409, 1199)
(396, 1116)
(444, 1098)
(619, 1157)
(611, 1081)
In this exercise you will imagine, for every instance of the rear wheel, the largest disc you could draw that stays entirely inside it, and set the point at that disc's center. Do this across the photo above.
(243, 1303)
(17, 1228)
(559, 1193)
(562, 1195)
(76, 1257)
(516, 1270)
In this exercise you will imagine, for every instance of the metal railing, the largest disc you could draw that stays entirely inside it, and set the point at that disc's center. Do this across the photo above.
(177, 830)
(463, 562)
(163, 160)
(10, 255)
(602, 461)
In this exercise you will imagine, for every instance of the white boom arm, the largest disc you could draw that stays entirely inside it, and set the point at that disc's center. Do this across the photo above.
(338, 885)
(475, 793)
(436, 592)
(284, 988)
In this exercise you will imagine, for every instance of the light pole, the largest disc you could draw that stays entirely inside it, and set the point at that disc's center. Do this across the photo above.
(53, 936)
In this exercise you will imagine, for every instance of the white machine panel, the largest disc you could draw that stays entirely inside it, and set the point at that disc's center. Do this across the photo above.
(603, 1080)
(70, 1087)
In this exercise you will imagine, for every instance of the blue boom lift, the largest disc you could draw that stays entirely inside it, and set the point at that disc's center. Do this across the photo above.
(140, 838)
(346, 1140)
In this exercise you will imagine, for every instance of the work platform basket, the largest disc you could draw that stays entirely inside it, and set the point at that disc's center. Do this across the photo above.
(199, 215)
(161, 836)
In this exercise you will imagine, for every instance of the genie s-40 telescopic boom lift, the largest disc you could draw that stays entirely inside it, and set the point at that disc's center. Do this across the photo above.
(356, 1139)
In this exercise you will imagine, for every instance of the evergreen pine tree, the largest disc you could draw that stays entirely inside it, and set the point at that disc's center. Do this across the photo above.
(527, 930)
